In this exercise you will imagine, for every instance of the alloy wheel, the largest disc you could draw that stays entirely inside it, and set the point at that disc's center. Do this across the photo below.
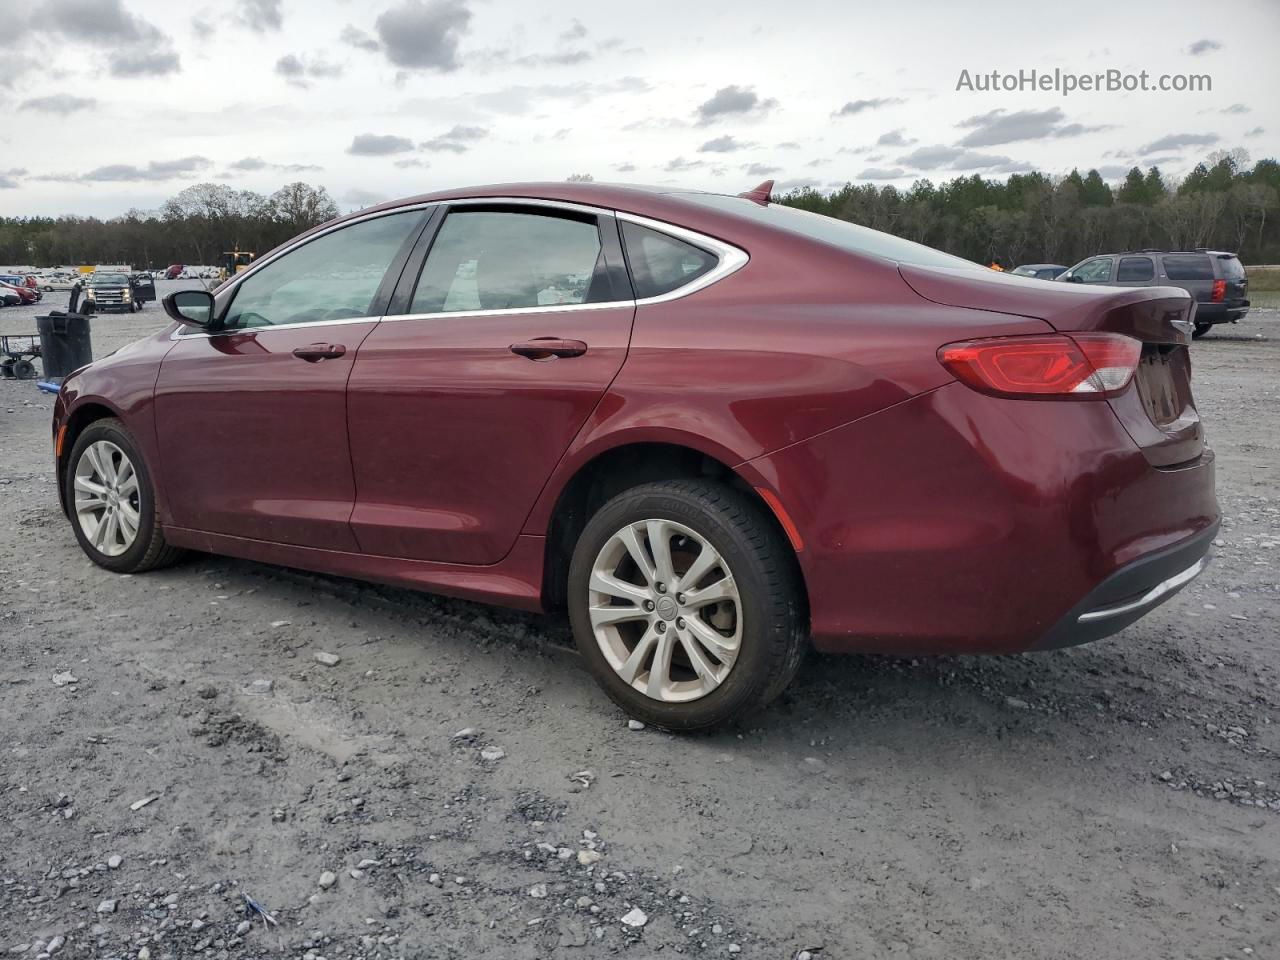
(107, 499)
(665, 610)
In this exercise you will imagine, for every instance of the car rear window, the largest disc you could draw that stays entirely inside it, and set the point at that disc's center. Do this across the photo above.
(1232, 268)
(1188, 267)
(838, 233)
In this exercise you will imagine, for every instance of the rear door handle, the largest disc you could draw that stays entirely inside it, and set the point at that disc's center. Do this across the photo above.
(315, 352)
(547, 348)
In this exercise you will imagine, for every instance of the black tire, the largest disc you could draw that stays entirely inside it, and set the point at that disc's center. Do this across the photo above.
(1200, 330)
(23, 369)
(774, 634)
(149, 551)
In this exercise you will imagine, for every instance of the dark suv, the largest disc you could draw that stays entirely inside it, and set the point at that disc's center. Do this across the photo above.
(1215, 279)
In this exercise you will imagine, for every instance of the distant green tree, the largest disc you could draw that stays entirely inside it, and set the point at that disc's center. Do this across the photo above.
(1134, 188)
(1156, 189)
(1094, 191)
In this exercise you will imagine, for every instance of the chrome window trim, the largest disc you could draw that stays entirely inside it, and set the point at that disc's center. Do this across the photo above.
(529, 202)
(730, 259)
(206, 334)
(510, 311)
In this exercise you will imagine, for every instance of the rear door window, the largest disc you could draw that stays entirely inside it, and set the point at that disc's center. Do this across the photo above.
(661, 263)
(1188, 267)
(1135, 270)
(508, 260)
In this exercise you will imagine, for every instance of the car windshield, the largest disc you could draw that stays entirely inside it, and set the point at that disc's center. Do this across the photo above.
(101, 279)
(838, 233)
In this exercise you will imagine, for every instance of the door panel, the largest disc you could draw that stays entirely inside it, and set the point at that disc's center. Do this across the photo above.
(253, 439)
(251, 417)
(453, 435)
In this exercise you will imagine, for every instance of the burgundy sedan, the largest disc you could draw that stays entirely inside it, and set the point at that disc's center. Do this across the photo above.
(715, 428)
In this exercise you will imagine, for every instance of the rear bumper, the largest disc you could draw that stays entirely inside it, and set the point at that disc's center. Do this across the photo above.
(1132, 592)
(959, 523)
(1220, 312)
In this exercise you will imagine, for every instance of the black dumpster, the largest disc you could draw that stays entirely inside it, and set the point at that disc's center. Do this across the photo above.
(64, 344)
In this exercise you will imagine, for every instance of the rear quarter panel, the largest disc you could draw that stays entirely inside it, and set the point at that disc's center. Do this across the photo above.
(801, 340)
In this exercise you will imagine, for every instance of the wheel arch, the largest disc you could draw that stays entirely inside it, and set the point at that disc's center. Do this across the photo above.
(86, 412)
(620, 467)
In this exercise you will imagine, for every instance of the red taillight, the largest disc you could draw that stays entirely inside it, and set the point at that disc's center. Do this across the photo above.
(1082, 366)
(1219, 291)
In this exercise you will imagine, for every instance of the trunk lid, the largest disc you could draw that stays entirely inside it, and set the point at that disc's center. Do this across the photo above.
(1159, 410)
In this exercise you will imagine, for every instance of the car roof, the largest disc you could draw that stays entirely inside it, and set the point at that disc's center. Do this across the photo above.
(1164, 253)
(664, 203)
(641, 199)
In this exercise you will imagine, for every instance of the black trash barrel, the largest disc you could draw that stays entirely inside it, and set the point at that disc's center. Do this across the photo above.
(64, 344)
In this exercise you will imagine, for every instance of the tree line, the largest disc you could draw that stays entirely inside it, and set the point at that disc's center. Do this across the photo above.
(1224, 203)
(196, 226)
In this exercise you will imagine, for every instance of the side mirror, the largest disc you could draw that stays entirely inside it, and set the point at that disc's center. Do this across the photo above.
(192, 308)
(1072, 278)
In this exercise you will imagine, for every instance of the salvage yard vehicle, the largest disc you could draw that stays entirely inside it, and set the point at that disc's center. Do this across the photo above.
(1215, 279)
(14, 294)
(715, 428)
(31, 292)
(112, 291)
(1041, 271)
(57, 282)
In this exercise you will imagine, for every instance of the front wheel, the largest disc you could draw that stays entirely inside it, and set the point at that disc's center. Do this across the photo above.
(686, 604)
(112, 501)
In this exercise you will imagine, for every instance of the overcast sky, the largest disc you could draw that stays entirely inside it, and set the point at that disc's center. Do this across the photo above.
(113, 104)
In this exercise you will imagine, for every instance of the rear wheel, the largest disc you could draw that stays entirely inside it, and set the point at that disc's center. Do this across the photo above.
(112, 502)
(1201, 329)
(686, 605)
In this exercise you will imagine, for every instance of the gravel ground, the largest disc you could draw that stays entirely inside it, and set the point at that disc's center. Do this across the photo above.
(456, 786)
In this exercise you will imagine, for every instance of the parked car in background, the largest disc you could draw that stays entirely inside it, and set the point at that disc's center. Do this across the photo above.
(9, 296)
(713, 427)
(1041, 271)
(16, 280)
(1215, 279)
(174, 271)
(24, 293)
(111, 292)
(61, 281)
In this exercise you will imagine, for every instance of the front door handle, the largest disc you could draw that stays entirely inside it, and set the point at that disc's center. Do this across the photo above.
(315, 352)
(548, 348)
